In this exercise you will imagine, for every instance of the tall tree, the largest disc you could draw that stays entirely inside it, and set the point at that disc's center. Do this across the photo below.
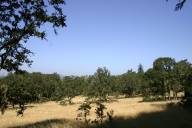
(20, 20)
(180, 74)
(101, 83)
(183, 71)
(164, 67)
(140, 69)
(129, 83)
(155, 86)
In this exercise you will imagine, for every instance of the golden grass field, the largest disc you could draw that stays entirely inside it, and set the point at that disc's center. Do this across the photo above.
(132, 111)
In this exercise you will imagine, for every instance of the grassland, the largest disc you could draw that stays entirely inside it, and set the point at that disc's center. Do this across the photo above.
(128, 112)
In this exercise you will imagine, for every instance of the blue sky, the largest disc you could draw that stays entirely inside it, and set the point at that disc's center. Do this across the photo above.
(118, 34)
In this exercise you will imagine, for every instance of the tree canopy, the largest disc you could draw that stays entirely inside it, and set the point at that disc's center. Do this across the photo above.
(164, 80)
(20, 20)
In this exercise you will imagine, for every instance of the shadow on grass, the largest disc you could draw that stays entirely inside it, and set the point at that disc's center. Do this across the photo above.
(174, 116)
(17, 107)
(52, 123)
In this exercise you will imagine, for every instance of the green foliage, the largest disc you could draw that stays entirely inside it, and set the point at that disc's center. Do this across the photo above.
(84, 112)
(20, 20)
(155, 86)
(3, 98)
(130, 83)
(179, 4)
(27, 88)
(70, 87)
(153, 98)
(163, 67)
(140, 69)
(188, 88)
(164, 78)
(183, 77)
(100, 115)
(100, 84)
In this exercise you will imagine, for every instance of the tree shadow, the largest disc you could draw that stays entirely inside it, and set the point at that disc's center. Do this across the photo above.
(17, 107)
(52, 123)
(174, 116)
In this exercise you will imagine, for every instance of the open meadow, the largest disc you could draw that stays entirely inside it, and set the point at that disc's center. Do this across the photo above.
(128, 112)
(95, 64)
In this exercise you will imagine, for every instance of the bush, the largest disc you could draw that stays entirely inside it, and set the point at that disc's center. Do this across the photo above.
(153, 98)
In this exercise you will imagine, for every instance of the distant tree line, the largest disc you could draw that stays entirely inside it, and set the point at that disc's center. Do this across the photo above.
(166, 77)
(23, 19)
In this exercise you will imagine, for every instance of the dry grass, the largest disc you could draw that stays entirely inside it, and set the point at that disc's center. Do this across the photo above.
(50, 111)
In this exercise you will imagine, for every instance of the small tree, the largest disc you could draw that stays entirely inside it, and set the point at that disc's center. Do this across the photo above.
(84, 112)
(100, 84)
(100, 115)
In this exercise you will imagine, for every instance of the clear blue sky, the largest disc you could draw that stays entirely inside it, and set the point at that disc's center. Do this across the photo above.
(118, 34)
